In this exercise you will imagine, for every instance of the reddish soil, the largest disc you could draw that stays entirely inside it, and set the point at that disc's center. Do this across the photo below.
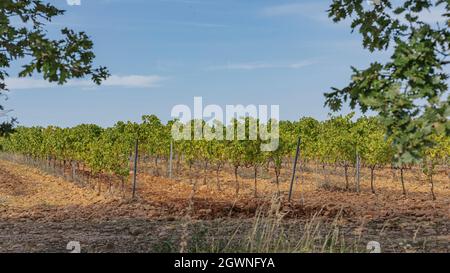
(41, 212)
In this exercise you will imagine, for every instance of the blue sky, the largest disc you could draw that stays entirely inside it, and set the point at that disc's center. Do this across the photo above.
(165, 52)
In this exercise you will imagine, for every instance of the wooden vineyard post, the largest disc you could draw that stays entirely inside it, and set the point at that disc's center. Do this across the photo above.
(358, 174)
(74, 175)
(135, 167)
(170, 159)
(294, 168)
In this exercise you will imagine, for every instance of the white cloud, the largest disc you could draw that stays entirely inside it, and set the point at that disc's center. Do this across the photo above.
(316, 11)
(74, 2)
(201, 25)
(26, 83)
(4, 113)
(134, 81)
(261, 65)
(129, 81)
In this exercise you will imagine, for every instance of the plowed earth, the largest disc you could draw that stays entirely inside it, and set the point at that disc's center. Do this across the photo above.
(42, 213)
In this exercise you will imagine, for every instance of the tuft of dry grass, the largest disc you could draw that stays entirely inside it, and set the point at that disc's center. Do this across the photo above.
(268, 233)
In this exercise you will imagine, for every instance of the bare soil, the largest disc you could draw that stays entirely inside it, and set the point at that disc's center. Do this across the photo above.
(42, 213)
